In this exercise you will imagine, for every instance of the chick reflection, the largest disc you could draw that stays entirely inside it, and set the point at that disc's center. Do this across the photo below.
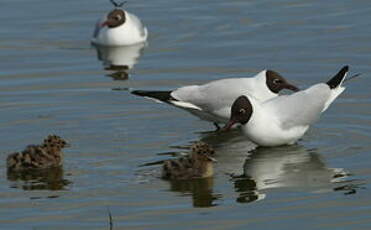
(201, 190)
(193, 174)
(289, 166)
(41, 179)
(119, 59)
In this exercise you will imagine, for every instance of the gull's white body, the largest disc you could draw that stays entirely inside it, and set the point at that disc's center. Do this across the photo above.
(130, 33)
(284, 120)
(213, 101)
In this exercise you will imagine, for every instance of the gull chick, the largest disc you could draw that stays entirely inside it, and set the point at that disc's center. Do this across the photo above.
(48, 154)
(199, 164)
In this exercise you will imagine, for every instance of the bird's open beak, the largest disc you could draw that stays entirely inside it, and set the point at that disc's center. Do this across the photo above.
(228, 126)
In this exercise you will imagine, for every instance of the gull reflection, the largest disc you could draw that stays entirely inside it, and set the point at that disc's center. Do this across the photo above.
(119, 59)
(246, 187)
(289, 167)
(256, 172)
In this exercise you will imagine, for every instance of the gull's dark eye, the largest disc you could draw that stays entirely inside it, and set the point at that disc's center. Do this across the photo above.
(242, 111)
(277, 81)
(118, 18)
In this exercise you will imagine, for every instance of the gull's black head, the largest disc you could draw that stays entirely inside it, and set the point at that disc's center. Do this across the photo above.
(115, 18)
(275, 82)
(241, 112)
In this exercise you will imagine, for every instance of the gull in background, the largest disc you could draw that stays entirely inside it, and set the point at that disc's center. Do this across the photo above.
(119, 28)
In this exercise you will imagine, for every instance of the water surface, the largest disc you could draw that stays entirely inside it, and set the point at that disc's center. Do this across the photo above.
(52, 81)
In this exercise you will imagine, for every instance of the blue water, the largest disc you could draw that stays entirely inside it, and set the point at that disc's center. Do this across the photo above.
(52, 81)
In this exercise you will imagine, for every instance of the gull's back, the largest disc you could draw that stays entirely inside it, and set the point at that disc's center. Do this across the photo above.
(299, 109)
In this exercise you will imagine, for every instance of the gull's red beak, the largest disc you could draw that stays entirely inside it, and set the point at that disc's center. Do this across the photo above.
(105, 23)
(228, 126)
(291, 87)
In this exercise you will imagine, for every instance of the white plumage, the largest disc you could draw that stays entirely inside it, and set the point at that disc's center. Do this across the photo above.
(212, 101)
(131, 32)
(284, 119)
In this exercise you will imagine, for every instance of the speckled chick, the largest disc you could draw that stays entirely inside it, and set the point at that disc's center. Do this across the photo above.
(48, 154)
(198, 164)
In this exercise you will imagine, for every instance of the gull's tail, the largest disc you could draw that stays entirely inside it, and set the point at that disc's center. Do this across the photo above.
(338, 78)
(165, 96)
(335, 85)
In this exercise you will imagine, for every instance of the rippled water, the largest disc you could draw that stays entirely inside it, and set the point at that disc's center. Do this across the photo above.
(52, 81)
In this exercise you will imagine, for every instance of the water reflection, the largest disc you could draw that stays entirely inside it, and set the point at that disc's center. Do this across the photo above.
(201, 191)
(256, 171)
(46, 179)
(246, 188)
(231, 150)
(289, 167)
(120, 60)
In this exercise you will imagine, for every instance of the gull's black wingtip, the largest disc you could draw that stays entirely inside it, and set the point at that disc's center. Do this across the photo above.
(164, 96)
(345, 69)
(338, 78)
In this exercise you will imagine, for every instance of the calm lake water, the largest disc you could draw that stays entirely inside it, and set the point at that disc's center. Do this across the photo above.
(52, 81)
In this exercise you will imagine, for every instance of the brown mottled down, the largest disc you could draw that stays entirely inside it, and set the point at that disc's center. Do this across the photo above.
(48, 154)
(198, 164)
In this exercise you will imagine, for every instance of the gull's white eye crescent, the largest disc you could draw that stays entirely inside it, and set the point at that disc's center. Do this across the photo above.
(277, 81)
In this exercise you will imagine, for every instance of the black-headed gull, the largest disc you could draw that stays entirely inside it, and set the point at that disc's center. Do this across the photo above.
(283, 120)
(119, 28)
(212, 101)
